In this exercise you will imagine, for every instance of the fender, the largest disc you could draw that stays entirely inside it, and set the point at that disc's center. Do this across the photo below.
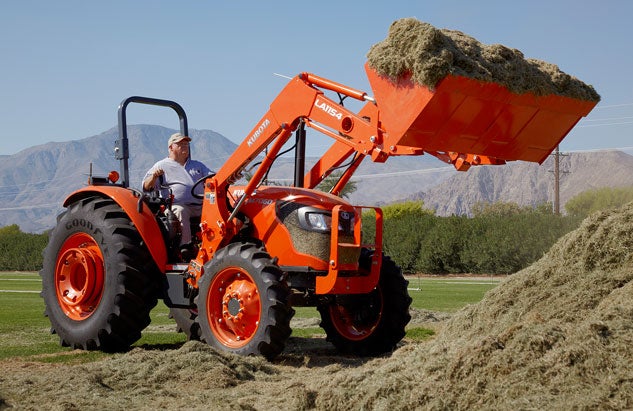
(144, 221)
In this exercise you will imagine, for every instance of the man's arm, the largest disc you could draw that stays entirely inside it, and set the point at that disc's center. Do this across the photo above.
(150, 181)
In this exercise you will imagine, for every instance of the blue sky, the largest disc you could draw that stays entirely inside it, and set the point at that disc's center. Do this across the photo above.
(66, 65)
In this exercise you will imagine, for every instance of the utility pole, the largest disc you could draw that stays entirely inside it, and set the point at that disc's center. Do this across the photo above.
(557, 181)
(557, 175)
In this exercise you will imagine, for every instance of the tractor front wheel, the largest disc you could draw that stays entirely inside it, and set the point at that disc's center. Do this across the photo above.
(243, 303)
(97, 277)
(373, 323)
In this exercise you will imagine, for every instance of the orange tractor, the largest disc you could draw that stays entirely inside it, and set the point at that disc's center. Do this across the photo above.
(262, 250)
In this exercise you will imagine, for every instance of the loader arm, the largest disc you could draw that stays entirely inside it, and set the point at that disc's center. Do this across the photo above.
(462, 121)
(300, 100)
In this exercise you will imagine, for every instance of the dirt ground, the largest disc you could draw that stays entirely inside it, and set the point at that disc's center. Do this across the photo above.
(557, 335)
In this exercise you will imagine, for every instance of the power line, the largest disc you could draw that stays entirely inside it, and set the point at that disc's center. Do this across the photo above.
(30, 207)
(607, 124)
(599, 150)
(613, 106)
(607, 118)
(392, 174)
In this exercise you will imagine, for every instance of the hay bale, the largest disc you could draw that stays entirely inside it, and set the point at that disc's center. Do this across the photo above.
(430, 54)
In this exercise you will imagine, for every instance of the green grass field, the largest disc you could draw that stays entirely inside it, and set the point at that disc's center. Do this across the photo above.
(25, 331)
(448, 294)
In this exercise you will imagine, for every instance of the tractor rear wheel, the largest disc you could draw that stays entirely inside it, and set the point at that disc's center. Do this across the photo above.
(186, 322)
(373, 323)
(97, 277)
(243, 303)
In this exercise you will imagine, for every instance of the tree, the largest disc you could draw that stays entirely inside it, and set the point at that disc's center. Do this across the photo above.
(604, 198)
(408, 208)
(21, 251)
(330, 181)
(499, 209)
(442, 246)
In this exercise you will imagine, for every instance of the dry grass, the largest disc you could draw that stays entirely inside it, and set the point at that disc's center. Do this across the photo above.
(557, 335)
(430, 54)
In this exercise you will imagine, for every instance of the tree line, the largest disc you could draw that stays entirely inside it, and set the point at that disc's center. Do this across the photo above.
(497, 238)
(21, 251)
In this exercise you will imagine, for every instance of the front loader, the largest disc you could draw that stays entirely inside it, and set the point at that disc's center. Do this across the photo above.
(262, 250)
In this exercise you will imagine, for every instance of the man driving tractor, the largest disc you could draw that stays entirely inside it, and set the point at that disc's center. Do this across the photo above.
(179, 172)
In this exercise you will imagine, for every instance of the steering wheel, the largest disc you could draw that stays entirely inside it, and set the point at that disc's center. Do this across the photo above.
(197, 183)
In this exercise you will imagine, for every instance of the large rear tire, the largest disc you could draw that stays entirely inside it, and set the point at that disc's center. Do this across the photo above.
(243, 303)
(369, 324)
(186, 322)
(97, 277)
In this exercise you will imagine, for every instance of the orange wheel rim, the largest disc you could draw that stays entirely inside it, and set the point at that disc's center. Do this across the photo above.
(79, 276)
(233, 307)
(358, 324)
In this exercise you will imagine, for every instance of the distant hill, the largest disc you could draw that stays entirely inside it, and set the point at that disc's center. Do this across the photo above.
(35, 181)
(528, 183)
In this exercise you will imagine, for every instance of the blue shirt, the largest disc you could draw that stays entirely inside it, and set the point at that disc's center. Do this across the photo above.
(180, 178)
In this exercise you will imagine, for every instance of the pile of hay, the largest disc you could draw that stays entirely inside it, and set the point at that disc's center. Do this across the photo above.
(194, 376)
(557, 335)
(430, 54)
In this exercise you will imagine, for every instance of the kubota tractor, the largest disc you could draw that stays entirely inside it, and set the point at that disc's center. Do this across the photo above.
(262, 250)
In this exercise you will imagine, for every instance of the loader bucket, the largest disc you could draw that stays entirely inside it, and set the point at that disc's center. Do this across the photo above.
(465, 115)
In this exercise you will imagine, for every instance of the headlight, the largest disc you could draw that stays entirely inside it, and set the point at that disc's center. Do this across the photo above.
(315, 219)
(319, 221)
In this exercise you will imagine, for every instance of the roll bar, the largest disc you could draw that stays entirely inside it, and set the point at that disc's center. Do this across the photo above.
(121, 148)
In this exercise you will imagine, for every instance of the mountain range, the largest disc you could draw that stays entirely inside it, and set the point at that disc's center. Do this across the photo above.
(35, 181)
(529, 184)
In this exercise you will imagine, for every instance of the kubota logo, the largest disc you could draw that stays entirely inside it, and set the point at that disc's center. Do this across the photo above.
(258, 133)
(328, 109)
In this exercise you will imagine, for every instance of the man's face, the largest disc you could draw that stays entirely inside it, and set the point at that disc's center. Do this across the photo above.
(179, 151)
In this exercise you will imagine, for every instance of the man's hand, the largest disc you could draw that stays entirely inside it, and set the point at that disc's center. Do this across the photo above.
(159, 172)
(150, 182)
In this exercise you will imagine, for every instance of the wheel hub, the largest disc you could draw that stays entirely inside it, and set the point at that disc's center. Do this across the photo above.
(240, 301)
(233, 307)
(237, 319)
(79, 276)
